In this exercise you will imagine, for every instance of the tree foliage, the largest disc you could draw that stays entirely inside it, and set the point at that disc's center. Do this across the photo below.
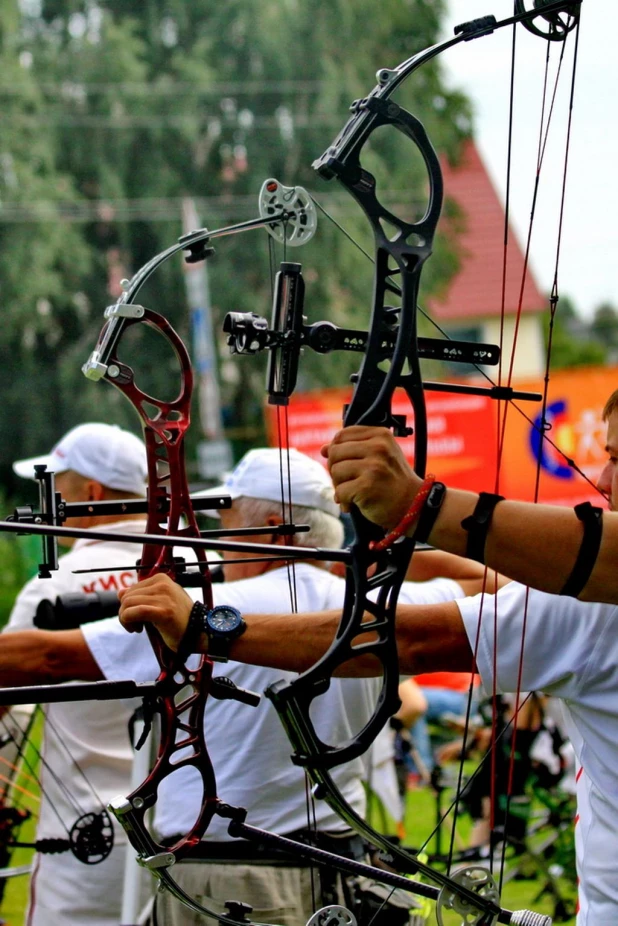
(577, 343)
(115, 111)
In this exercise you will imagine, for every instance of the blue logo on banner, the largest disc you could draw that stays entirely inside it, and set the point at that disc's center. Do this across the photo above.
(542, 450)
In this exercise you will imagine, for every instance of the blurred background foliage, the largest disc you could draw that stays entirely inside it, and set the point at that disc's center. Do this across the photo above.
(114, 112)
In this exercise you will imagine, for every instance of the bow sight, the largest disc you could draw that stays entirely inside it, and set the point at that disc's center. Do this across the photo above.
(53, 511)
(249, 333)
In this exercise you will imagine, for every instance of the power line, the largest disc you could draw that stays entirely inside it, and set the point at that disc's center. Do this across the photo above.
(121, 121)
(72, 89)
(225, 207)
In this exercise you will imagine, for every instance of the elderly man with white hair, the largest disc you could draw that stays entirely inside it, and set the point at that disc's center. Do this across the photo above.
(248, 747)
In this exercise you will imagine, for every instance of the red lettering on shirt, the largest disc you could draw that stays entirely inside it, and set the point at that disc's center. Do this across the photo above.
(107, 583)
(112, 582)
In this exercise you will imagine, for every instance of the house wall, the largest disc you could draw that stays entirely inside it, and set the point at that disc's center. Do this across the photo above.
(530, 350)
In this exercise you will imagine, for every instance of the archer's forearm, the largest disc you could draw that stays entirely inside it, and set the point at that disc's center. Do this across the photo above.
(433, 564)
(430, 639)
(534, 544)
(40, 657)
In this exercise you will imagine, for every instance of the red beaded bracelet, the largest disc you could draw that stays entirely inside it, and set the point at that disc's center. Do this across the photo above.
(412, 514)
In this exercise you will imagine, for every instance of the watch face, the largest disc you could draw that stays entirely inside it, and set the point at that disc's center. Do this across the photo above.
(224, 618)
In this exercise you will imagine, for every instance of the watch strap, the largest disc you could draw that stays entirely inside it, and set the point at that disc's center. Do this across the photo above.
(430, 512)
(194, 630)
(218, 647)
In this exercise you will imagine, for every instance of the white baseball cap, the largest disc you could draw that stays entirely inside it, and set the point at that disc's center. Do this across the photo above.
(104, 452)
(260, 472)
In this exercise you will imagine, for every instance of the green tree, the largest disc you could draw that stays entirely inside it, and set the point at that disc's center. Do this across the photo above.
(573, 342)
(40, 271)
(604, 329)
(146, 102)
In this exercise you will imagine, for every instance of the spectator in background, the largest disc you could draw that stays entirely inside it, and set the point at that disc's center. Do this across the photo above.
(446, 695)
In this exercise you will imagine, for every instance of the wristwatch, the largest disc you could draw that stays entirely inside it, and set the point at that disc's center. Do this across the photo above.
(222, 625)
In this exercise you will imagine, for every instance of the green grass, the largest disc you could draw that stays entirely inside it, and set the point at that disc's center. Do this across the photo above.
(15, 897)
(14, 902)
(525, 892)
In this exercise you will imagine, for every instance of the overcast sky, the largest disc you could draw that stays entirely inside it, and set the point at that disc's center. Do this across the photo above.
(588, 267)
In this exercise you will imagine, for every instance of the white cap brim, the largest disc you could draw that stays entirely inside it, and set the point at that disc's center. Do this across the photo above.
(25, 468)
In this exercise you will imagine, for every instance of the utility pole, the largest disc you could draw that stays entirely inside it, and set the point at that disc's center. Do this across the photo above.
(214, 451)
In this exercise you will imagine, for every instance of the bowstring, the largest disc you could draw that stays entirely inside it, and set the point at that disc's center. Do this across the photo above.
(544, 129)
(14, 792)
(283, 437)
(474, 774)
(62, 787)
(547, 111)
(14, 766)
(501, 417)
(285, 488)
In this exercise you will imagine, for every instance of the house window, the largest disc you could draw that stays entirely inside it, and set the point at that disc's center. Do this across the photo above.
(472, 334)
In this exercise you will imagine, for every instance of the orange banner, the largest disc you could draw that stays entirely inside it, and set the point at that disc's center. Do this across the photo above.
(463, 435)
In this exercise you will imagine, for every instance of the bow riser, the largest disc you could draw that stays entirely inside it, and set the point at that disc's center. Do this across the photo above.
(402, 253)
(181, 745)
(164, 433)
(181, 694)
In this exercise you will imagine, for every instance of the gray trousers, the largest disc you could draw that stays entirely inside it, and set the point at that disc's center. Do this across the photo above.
(280, 895)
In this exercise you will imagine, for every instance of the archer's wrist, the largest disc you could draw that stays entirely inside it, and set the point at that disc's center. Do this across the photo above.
(447, 533)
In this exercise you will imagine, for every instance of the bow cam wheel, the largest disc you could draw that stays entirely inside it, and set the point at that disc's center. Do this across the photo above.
(92, 837)
(332, 916)
(557, 23)
(480, 882)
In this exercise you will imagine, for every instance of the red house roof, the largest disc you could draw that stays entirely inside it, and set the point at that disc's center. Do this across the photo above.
(476, 290)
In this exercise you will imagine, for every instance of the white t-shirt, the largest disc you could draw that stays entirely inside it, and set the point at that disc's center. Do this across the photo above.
(571, 652)
(91, 736)
(248, 746)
